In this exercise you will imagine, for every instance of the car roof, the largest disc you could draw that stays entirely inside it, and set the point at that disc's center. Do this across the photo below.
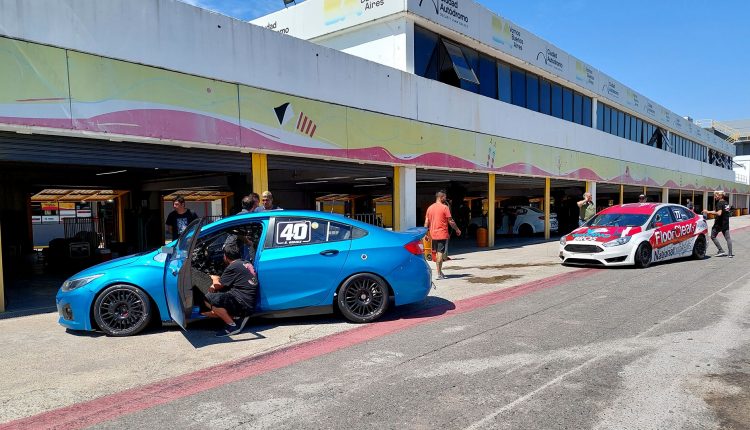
(634, 208)
(291, 213)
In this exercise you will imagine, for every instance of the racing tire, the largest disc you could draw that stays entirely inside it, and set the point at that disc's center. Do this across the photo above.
(122, 310)
(699, 247)
(363, 298)
(525, 230)
(643, 255)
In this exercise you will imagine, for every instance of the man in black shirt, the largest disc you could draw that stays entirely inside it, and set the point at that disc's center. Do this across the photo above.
(179, 218)
(721, 223)
(233, 294)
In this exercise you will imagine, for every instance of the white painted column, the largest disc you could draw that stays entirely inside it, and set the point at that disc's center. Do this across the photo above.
(705, 200)
(408, 197)
(591, 188)
(665, 195)
(747, 206)
(594, 110)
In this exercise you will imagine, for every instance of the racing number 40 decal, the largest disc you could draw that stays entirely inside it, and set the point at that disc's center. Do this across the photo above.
(292, 232)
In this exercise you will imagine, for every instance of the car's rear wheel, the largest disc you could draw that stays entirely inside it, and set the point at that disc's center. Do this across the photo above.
(699, 247)
(363, 297)
(122, 310)
(643, 255)
(525, 230)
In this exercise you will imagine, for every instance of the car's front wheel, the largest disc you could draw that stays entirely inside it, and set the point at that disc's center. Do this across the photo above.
(643, 255)
(363, 297)
(699, 247)
(122, 310)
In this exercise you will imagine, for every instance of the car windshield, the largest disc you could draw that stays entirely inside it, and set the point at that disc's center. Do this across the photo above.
(618, 220)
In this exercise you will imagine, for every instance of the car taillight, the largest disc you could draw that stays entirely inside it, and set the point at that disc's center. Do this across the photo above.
(415, 247)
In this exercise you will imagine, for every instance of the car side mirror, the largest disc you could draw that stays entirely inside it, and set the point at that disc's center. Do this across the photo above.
(167, 250)
(658, 224)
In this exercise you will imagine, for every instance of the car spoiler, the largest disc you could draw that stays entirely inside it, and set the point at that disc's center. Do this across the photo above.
(414, 233)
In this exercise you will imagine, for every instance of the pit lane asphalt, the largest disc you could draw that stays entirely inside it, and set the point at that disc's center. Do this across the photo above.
(659, 348)
(56, 369)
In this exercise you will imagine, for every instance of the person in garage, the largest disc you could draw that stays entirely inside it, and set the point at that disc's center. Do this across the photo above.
(179, 218)
(231, 296)
(586, 209)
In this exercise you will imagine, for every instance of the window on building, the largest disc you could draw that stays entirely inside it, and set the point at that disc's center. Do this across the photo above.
(621, 124)
(472, 59)
(557, 101)
(518, 87)
(532, 92)
(633, 129)
(488, 76)
(504, 82)
(545, 97)
(607, 119)
(627, 127)
(567, 104)
(577, 108)
(587, 111)
(425, 53)
(638, 130)
(600, 116)
(457, 62)
(613, 124)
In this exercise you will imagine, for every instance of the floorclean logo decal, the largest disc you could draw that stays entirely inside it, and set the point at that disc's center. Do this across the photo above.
(449, 9)
(584, 73)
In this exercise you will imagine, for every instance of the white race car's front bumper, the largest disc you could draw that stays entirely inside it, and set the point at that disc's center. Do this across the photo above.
(597, 255)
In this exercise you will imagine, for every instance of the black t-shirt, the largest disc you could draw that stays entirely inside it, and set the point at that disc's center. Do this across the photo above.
(179, 222)
(241, 281)
(721, 222)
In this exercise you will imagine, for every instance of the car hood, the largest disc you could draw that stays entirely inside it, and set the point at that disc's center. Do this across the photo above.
(600, 234)
(117, 262)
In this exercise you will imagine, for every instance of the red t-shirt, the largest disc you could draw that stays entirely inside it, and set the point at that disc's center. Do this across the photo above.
(437, 217)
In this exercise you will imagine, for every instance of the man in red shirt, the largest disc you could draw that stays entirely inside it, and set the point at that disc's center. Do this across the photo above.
(438, 219)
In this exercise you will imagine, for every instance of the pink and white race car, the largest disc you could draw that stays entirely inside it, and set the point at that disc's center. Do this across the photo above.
(636, 233)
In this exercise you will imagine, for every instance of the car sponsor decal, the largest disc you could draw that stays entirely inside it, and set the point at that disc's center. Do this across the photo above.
(292, 232)
(673, 233)
(673, 250)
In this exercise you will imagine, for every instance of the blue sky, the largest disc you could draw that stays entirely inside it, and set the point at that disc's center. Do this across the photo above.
(691, 56)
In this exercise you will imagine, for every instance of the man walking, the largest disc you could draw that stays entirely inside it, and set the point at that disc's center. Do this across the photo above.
(586, 209)
(437, 219)
(721, 223)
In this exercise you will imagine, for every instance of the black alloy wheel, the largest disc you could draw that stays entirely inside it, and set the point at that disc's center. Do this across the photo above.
(363, 298)
(699, 247)
(643, 255)
(122, 310)
(525, 230)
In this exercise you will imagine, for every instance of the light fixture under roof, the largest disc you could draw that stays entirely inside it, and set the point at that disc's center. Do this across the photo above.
(111, 173)
(369, 185)
(332, 178)
(310, 182)
(373, 178)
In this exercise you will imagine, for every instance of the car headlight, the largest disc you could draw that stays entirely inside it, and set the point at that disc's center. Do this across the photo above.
(617, 242)
(563, 241)
(72, 284)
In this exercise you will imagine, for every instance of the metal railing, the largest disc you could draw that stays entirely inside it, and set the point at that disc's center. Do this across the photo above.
(731, 133)
(374, 219)
(90, 230)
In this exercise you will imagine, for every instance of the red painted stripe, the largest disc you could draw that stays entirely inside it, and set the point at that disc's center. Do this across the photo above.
(312, 132)
(309, 124)
(304, 123)
(112, 406)
(300, 119)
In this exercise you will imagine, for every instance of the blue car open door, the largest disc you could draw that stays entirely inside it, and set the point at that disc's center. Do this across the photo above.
(177, 275)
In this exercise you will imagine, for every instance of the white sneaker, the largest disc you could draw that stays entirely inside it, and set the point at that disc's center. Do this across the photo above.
(721, 254)
(730, 256)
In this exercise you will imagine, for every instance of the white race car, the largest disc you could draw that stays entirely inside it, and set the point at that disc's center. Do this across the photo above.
(636, 234)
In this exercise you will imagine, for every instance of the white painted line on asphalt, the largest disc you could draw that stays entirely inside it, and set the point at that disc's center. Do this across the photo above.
(487, 419)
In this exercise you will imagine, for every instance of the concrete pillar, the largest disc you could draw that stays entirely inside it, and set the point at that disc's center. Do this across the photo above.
(665, 195)
(591, 188)
(547, 182)
(2, 285)
(594, 110)
(747, 206)
(119, 203)
(404, 198)
(622, 193)
(705, 200)
(491, 208)
(260, 173)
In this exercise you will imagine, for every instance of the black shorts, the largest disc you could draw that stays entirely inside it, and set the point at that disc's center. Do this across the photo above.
(232, 304)
(439, 245)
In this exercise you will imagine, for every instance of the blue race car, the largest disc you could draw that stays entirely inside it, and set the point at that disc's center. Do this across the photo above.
(307, 262)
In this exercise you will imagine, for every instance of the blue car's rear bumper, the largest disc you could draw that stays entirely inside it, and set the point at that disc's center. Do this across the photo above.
(411, 281)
